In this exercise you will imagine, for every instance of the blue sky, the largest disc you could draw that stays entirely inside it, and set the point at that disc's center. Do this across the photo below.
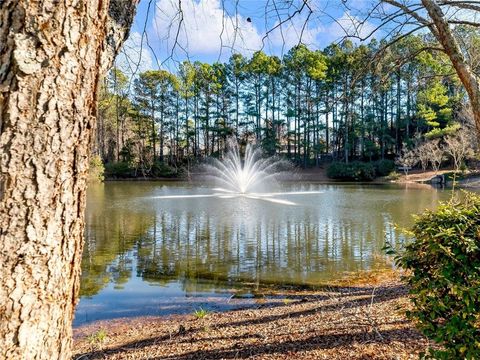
(212, 30)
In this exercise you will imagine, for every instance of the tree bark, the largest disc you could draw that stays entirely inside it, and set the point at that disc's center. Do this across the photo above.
(52, 54)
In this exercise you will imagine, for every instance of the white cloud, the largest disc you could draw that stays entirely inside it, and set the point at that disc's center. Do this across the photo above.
(317, 34)
(292, 32)
(134, 57)
(204, 29)
(348, 26)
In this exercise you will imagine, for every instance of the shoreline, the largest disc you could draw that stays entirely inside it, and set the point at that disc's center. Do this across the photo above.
(318, 175)
(361, 316)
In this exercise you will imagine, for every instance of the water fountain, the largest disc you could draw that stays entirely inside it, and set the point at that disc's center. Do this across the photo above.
(252, 174)
(249, 178)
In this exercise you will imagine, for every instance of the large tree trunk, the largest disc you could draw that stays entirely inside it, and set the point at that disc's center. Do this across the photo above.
(52, 54)
(441, 30)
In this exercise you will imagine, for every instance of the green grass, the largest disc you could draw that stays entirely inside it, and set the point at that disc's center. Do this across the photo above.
(98, 337)
(200, 313)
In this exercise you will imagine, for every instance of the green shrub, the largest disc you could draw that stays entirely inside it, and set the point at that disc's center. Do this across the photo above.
(443, 264)
(182, 172)
(355, 171)
(118, 170)
(96, 170)
(384, 167)
(160, 169)
(393, 176)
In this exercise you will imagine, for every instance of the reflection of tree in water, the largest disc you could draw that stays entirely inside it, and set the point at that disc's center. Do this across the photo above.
(110, 236)
(301, 245)
(269, 252)
(202, 243)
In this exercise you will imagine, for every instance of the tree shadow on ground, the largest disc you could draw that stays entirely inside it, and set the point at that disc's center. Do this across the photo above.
(347, 298)
(316, 342)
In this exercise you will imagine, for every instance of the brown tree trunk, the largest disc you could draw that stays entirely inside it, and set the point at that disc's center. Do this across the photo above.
(441, 30)
(52, 54)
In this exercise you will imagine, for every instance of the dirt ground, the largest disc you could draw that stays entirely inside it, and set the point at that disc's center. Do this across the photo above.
(319, 174)
(362, 318)
(420, 176)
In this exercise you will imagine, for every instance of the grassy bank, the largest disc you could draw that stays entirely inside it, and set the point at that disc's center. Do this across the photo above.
(360, 317)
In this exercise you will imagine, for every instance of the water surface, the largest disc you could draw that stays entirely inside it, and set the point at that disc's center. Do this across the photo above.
(149, 256)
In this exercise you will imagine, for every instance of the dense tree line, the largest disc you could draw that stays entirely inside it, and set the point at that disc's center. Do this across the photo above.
(347, 102)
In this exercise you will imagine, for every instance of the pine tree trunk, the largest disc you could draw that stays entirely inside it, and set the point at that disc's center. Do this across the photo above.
(441, 30)
(52, 55)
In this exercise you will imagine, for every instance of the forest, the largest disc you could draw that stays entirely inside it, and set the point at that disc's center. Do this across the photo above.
(348, 102)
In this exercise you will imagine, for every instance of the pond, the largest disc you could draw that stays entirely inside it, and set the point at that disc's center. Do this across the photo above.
(149, 256)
